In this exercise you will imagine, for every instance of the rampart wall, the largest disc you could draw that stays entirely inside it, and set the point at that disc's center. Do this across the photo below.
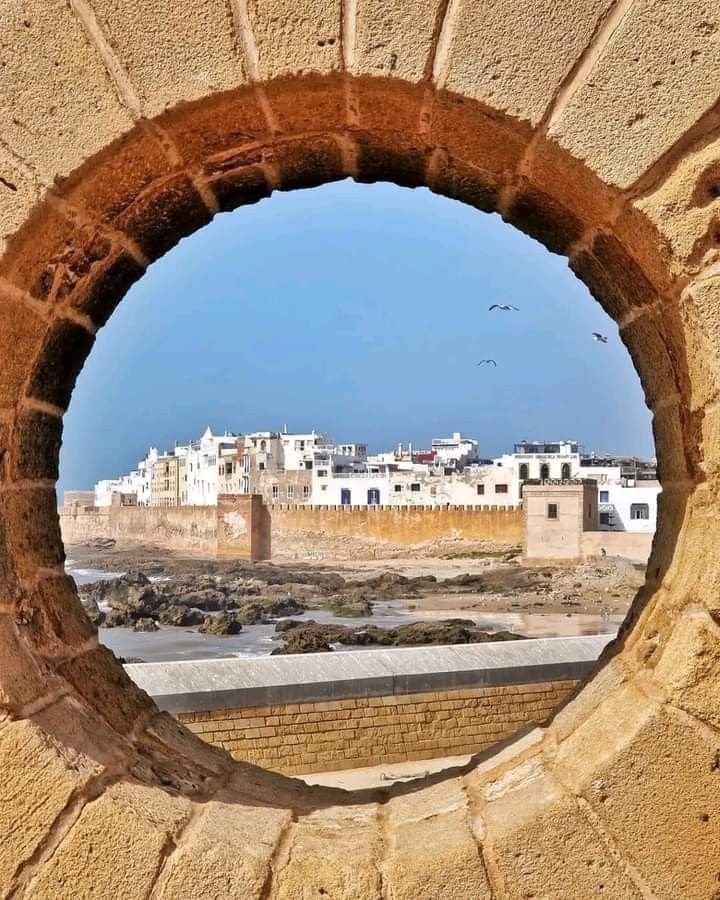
(321, 712)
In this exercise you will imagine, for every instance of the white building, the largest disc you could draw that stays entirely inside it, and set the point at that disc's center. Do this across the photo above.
(201, 468)
(456, 451)
(628, 505)
(105, 489)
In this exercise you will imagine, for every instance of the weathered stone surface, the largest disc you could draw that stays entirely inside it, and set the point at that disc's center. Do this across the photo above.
(653, 80)
(164, 214)
(18, 195)
(689, 667)
(173, 52)
(62, 109)
(117, 845)
(62, 356)
(227, 853)
(668, 768)
(332, 852)
(296, 36)
(430, 848)
(33, 529)
(34, 790)
(37, 445)
(685, 206)
(23, 678)
(394, 37)
(53, 618)
(514, 57)
(21, 332)
(97, 677)
(543, 844)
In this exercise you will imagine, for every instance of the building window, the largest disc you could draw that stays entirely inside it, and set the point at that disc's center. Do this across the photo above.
(306, 492)
(415, 486)
(605, 518)
(397, 488)
(501, 489)
(275, 491)
(481, 489)
(524, 472)
(544, 471)
(261, 466)
(290, 491)
(552, 511)
(604, 496)
(639, 511)
(322, 473)
(565, 471)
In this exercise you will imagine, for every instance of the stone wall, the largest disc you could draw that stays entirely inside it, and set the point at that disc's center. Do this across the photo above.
(635, 547)
(187, 529)
(376, 530)
(295, 529)
(324, 711)
(297, 738)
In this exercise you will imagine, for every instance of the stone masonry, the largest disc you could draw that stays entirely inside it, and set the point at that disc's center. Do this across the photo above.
(593, 127)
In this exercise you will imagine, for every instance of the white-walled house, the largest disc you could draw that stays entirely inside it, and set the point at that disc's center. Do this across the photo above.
(456, 451)
(628, 506)
(201, 468)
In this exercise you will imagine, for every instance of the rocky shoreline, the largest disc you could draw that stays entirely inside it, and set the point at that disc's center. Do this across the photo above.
(268, 595)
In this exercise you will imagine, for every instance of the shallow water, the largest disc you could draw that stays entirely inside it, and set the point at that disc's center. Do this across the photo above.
(257, 640)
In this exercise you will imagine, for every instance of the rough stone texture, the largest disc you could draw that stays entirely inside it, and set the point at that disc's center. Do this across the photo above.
(431, 850)
(227, 853)
(627, 100)
(654, 79)
(332, 852)
(33, 791)
(43, 116)
(394, 37)
(543, 843)
(172, 53)
(514, 57)
(100, 857)
(296, 36)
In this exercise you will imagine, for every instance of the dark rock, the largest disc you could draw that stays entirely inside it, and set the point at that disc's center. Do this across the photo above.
(93, 611)
(145, 624)
(221, 623)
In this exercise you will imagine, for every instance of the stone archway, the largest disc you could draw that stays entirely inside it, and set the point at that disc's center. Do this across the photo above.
(594, 129)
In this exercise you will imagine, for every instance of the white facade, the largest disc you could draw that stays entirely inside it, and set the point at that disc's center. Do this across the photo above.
(628, 506)
(455, 451)
(298, 449)
(105, 489)
(201, 468)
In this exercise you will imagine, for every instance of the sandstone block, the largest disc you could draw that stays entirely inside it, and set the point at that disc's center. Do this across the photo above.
(514, 58)
(21, 333)
(117, 845)
(37, 445)
(63, 108)
(228, 853)
(18, 195)
(542, 842)
(63, 353)
(394, 38)
(652, 81)
(36, 786)
(333, 852)
(432, 854)
(173, 53)
(689, 667)
(296, 37)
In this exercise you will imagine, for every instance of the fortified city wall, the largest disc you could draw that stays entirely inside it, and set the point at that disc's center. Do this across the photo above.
(296, 530)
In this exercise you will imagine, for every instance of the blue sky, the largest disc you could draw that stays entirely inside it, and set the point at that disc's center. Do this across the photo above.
(360, 310)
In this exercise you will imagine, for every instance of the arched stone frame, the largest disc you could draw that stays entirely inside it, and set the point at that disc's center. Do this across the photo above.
(619, 792)
(565, 471)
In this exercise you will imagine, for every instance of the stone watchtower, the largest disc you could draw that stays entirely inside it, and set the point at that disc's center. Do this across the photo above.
(557, 513)
(243, 527)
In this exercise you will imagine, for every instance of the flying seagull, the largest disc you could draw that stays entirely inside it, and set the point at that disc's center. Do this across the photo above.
(505, 307)
(600, 338)
(487, 362)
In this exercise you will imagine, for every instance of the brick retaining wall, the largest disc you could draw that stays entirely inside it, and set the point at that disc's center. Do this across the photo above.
(324, 711)
(297, 738)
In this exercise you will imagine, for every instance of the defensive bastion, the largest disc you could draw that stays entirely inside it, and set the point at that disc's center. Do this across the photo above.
(592, 126)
